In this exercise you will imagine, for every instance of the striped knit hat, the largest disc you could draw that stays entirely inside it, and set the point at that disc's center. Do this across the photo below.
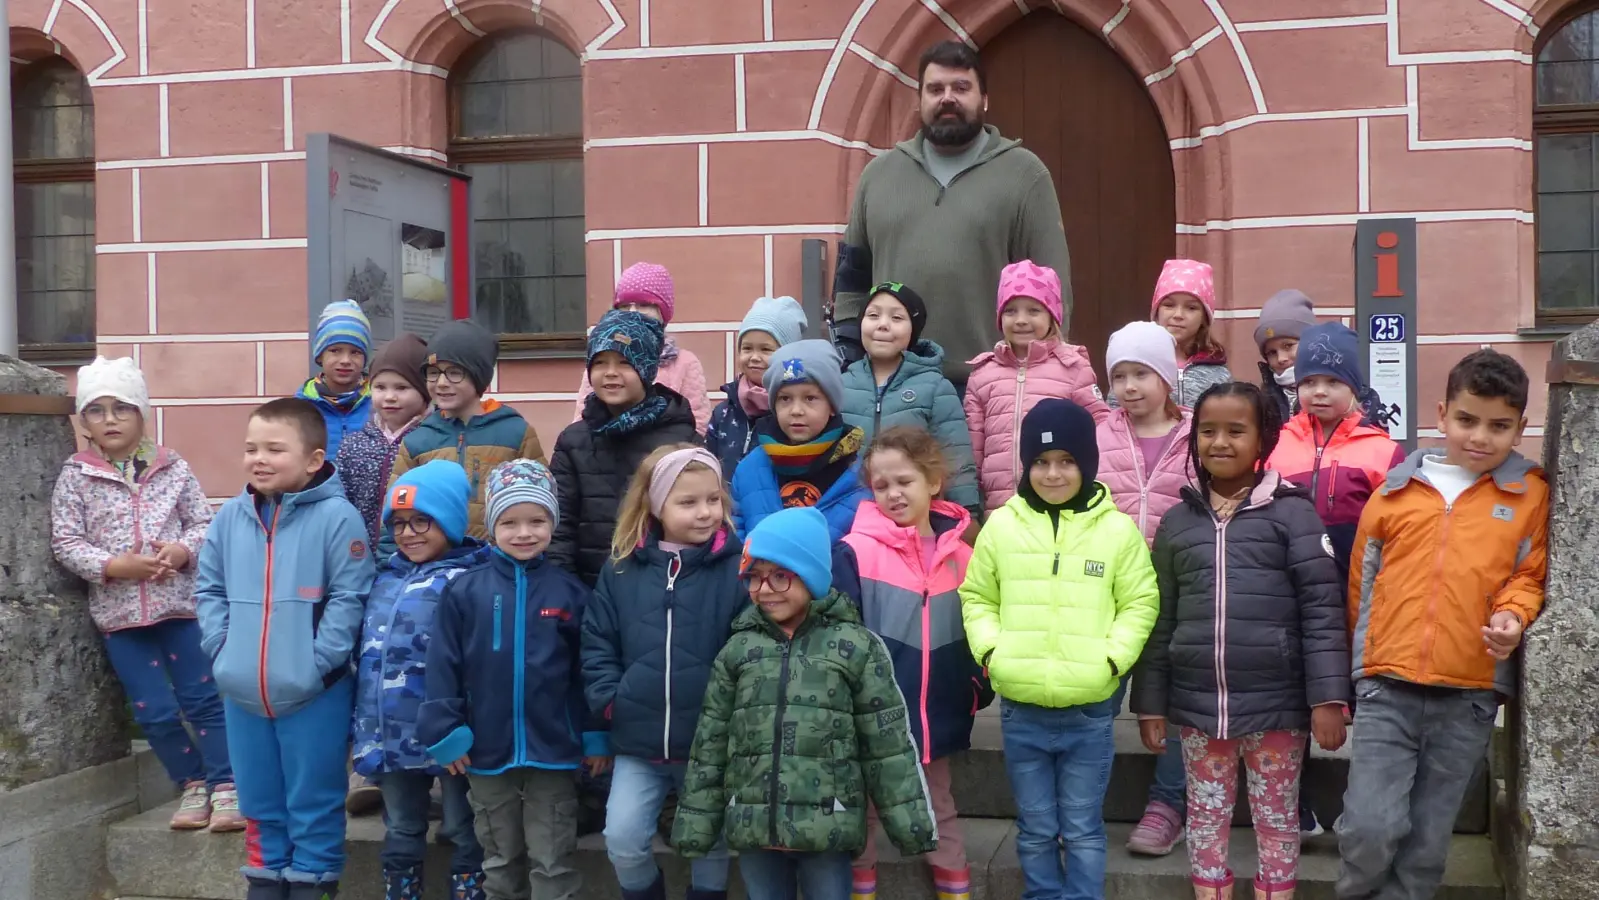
(342, 322)
(520, 481)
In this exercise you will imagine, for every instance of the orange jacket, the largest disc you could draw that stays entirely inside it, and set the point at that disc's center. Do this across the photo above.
(1425, 577)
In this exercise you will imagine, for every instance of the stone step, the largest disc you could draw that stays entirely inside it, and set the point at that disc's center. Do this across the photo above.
(149, 860)
(982, 789)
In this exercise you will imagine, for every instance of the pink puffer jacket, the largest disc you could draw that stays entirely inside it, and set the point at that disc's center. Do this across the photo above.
(1000, 392)
(1146, 496)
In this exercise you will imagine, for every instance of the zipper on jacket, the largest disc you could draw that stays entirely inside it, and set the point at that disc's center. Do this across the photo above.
(519, 661)
(1220, 635)
(1054, 568)
(138, 541)
(1429, 629)
(927, 670)
(496, 623)
(1016, 427)
(266, 610)
(877, 414)
(1332, 485)
(460, 447)
(1321, 446)
(777, 744)
(673, 567)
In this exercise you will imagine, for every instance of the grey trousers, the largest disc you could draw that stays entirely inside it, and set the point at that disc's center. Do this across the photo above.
(527, 823)
(1414, 754)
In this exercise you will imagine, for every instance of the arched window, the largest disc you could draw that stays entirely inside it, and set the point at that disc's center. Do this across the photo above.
(52, 120)
(516, 126)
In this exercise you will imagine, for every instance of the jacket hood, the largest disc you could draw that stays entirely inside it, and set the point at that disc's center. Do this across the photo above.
(1216, 357)
(325, 485)
(1038, 351)
(949, 523)
(835, 607)
(1096, 504)
(447, 427)
(1509, 476)
(1270, 487)
(1352, 427)
(997, 144)
(714, 550)
(309, 392)
(920, 357)
(469, 552)
(93, 463)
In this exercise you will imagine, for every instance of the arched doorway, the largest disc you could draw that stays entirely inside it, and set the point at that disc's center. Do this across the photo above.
(1071, 99)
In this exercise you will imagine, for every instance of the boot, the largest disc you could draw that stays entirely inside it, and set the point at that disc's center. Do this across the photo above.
(467, 886)
(697, 894)
(402, 884)
(321, 890)
(656, 890)
(953, 884)
(1213, 891)
(264, 888)
(1273, 892)
(863, 884)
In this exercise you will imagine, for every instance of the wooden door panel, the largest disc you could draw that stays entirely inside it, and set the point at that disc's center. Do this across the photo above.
(1070, 99)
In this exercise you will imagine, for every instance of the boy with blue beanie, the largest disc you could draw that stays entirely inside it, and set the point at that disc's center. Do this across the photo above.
(425, 512)
(800, 662)
(340, 345)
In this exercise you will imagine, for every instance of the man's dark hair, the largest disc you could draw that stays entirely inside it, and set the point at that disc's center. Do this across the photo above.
(302, 414)
(1491, 374)
(953, 55)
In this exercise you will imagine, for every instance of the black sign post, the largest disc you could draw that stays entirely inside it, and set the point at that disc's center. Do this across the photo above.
(1385, 318)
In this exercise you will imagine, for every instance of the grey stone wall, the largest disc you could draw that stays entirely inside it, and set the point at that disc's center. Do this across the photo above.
(1555, 783)
(61, 709)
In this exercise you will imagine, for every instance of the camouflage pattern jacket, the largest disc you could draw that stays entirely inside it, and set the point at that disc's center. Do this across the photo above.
(391, 670)
(798, 734)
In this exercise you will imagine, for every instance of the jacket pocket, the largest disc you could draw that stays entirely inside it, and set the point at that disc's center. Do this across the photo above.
(291, 669)
(236, 667)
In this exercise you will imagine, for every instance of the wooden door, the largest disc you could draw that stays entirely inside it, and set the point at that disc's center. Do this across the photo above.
(1070, 99)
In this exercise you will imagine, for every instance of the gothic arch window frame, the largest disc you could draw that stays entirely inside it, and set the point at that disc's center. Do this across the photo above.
(36, 171)
(465, 152)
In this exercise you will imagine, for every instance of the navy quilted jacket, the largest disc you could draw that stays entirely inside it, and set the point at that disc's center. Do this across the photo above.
(731, 434)
(652, 630)
(392, 666)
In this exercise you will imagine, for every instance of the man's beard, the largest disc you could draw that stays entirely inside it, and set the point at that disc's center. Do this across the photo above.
(957, 131)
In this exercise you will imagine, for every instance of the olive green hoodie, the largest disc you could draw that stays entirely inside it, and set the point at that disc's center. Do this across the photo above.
(951, 243)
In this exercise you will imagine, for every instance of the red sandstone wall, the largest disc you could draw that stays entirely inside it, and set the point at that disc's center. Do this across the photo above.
(722, 133)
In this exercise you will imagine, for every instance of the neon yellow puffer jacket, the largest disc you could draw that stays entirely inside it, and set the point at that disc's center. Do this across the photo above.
(1050, 614)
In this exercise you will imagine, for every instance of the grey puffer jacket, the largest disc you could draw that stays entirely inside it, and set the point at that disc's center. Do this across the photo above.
(1255, 647)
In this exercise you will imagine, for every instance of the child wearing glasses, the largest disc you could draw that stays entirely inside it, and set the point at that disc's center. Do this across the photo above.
(425, 512)
(129, 517)
(663, 609)
(803, 726)
(464, 427)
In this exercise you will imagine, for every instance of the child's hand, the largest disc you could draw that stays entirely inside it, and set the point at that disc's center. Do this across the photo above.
(1153, 731)
(1327, 726)
(1502, 634)
(597, 765)
(171, 554)
(459, 766)
(134, 567)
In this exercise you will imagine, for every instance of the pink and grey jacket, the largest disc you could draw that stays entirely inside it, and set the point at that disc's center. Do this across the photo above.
(1003, 388)
(96, 515)
(1145, 496)
(916, 610)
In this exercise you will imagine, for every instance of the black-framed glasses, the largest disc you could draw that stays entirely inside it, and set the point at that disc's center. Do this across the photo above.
(415, 524)
(452, 374)
(118, 411)
(778, 580)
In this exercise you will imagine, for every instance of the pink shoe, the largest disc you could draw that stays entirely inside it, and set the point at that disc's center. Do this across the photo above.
(1157, 832)
(225, 815)
(194, 809)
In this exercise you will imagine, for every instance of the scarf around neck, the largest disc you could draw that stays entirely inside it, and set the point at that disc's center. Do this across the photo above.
(640, 416)
(345, 401)
(837, 441)
(753, 398)
(668, 349)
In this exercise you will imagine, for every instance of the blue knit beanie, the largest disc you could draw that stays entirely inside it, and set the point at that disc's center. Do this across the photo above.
(519, 481)
(1331, 349)
(636, 336)
(439, 490)
(781, 317)
(342, 322)
(798, 540)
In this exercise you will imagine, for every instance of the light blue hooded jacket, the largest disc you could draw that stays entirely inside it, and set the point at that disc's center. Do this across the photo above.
(280, 594)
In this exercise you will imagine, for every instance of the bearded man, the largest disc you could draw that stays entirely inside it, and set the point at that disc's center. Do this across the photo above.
(944, 212)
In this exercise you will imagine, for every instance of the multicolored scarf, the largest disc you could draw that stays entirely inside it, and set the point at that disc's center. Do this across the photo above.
(137, 463)
(343, 402)
(789, 460)
(638, 417)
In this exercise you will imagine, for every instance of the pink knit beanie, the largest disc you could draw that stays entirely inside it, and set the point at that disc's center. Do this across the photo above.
(647, 283)
(1147, 344)
(1186, 276)
(1029, 279)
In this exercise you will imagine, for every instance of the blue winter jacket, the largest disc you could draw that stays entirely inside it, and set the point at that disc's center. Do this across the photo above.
(392, 666)
(504, 680)
(279, 594)
(731, 433)
(654, 627)
(755, 495)
(341, 422)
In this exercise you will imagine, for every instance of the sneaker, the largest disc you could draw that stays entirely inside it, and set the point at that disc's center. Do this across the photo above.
(225, 815)
(364, 797)
(1157, 832)
(1308, 826)
(194, 810)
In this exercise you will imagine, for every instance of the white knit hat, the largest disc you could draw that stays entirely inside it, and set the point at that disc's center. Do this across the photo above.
(1145, 343)
(118, 379)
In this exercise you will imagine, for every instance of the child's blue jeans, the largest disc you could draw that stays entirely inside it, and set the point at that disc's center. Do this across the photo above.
(406, 798)
(780, 875)
(291, 775)
(168, 679)
(1059, 763)
(632, 816)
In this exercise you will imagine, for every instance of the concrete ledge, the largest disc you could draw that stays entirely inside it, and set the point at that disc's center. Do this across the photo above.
(53, 832)
(150, 860)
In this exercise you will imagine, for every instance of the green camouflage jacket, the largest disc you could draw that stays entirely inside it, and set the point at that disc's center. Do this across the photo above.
(796, 736)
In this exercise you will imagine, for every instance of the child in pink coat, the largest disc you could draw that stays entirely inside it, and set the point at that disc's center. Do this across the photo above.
(647, 288)
(1031, 362)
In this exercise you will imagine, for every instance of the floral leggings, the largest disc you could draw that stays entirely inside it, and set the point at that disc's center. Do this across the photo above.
(1272, 762)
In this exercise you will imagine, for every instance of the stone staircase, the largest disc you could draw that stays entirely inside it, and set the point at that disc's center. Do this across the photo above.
(151, 862)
